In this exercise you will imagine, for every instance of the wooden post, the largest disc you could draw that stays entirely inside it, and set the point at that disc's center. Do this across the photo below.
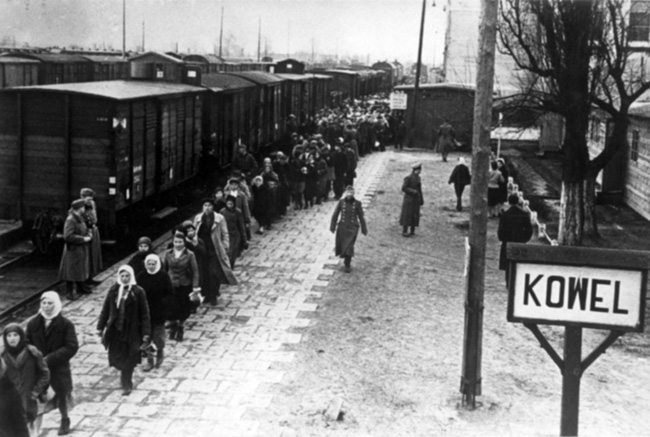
(571, 374)
(416, 88)
(471, 378)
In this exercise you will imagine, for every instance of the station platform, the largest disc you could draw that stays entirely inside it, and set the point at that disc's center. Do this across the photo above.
(231, 353)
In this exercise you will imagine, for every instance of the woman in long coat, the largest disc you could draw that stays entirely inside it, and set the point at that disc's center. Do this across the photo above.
(124, 325)
(211, 227)
(13, 422)
(351, 213)
(56, 338)
(90, 216)
(159, 291)
(413, 200)
(27, 370)
(236, 229)
(75, 260)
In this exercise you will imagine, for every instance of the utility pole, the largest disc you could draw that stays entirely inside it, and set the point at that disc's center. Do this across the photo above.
(123, 28)
(416, 89)
(143, 36)
(470, 385)
(259, 40)
(221, 34)
(288, 39)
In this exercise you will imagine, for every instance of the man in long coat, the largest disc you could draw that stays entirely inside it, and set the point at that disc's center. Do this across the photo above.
(75, 260)
(413, 200)
(211, 227)
(460, 177)
(446, 139)
(514, 226)
(351, 213)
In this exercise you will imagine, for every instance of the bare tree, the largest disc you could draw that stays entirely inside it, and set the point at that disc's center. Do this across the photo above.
(578, 55)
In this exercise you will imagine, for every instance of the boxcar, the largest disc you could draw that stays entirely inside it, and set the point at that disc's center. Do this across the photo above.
(130, 141)
(437, 102)
(321, 92)
(60, 68)
(345, 83)
(208, 63)
(298, 89)
(270, 117)
(16, 71)
(107, 67)
(289, 66)
(228, 114)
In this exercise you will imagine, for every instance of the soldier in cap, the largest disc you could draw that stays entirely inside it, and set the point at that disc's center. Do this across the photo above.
(413, 200)
(75, 260)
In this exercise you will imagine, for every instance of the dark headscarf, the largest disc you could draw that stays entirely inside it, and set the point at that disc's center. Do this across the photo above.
(14, 327)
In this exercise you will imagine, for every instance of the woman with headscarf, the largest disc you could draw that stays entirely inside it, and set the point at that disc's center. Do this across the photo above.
(55, 337)
(13, 422)
(124, 325)
(180, 264)
(90, 216)
(28, 372)
(159, 291)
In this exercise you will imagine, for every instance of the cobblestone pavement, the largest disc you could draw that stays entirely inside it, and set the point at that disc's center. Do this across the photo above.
(231, 352)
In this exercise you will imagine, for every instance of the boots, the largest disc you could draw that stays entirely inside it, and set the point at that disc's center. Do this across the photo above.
(173, 330)
(149, 365)
(160, 357)
(64, 429)
(179, 333)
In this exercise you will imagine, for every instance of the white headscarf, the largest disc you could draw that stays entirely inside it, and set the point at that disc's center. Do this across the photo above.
(53, 296)
(461, 160)
(156, 258)
(125, 288)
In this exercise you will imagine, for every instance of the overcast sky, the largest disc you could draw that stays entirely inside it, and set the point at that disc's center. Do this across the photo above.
(378, 29)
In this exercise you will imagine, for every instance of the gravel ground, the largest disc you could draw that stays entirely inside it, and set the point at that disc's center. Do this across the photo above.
(387, 341)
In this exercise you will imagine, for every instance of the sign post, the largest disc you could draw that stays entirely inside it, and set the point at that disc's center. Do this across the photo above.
(398, 100)
(576, 287)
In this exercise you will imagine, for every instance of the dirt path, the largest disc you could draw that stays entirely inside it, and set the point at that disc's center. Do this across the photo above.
(387, 340)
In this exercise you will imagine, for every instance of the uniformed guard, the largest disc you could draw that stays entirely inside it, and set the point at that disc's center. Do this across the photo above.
(351, 213)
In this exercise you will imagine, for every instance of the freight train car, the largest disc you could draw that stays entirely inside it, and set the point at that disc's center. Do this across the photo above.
(228, 116)
(60, 68)
(130, 141)
(107, 67)
(18, 71)
(269, 120)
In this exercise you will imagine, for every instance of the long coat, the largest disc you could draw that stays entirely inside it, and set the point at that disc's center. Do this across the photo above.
(30, 377)
(13, 422)
(515, 227)
(413, 200)
(58, 344)
(95, 246)
(236, 231)
(351, 213)
(75, 261)
(221, 242)
(124, 346)
(446, 138)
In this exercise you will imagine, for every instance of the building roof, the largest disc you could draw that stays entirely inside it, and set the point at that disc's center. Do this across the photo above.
(433, 86)
(294, 77)
(222, 81)
(8, 59)
(161, 56)
(51, 57)
(338, 71)
(641, 109)
(116, 89)
(258, 77)
(105, 59)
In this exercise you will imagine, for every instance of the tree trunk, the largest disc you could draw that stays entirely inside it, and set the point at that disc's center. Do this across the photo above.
(571, 227)
(591, 219)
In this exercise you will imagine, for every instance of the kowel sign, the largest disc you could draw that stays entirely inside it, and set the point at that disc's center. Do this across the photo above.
(576, 287)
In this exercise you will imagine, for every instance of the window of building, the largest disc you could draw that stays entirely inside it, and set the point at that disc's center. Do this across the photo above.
(639, 29)
(634, 150)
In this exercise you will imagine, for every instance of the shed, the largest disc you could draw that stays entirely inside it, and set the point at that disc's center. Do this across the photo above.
(436, 103)
(290, 65)
(128, 140)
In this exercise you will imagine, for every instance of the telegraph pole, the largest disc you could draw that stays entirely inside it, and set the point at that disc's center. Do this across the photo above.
(143, 36)
(470, 385)
(221, 33)
(259, 40)
(124, 28)
(417, 77)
